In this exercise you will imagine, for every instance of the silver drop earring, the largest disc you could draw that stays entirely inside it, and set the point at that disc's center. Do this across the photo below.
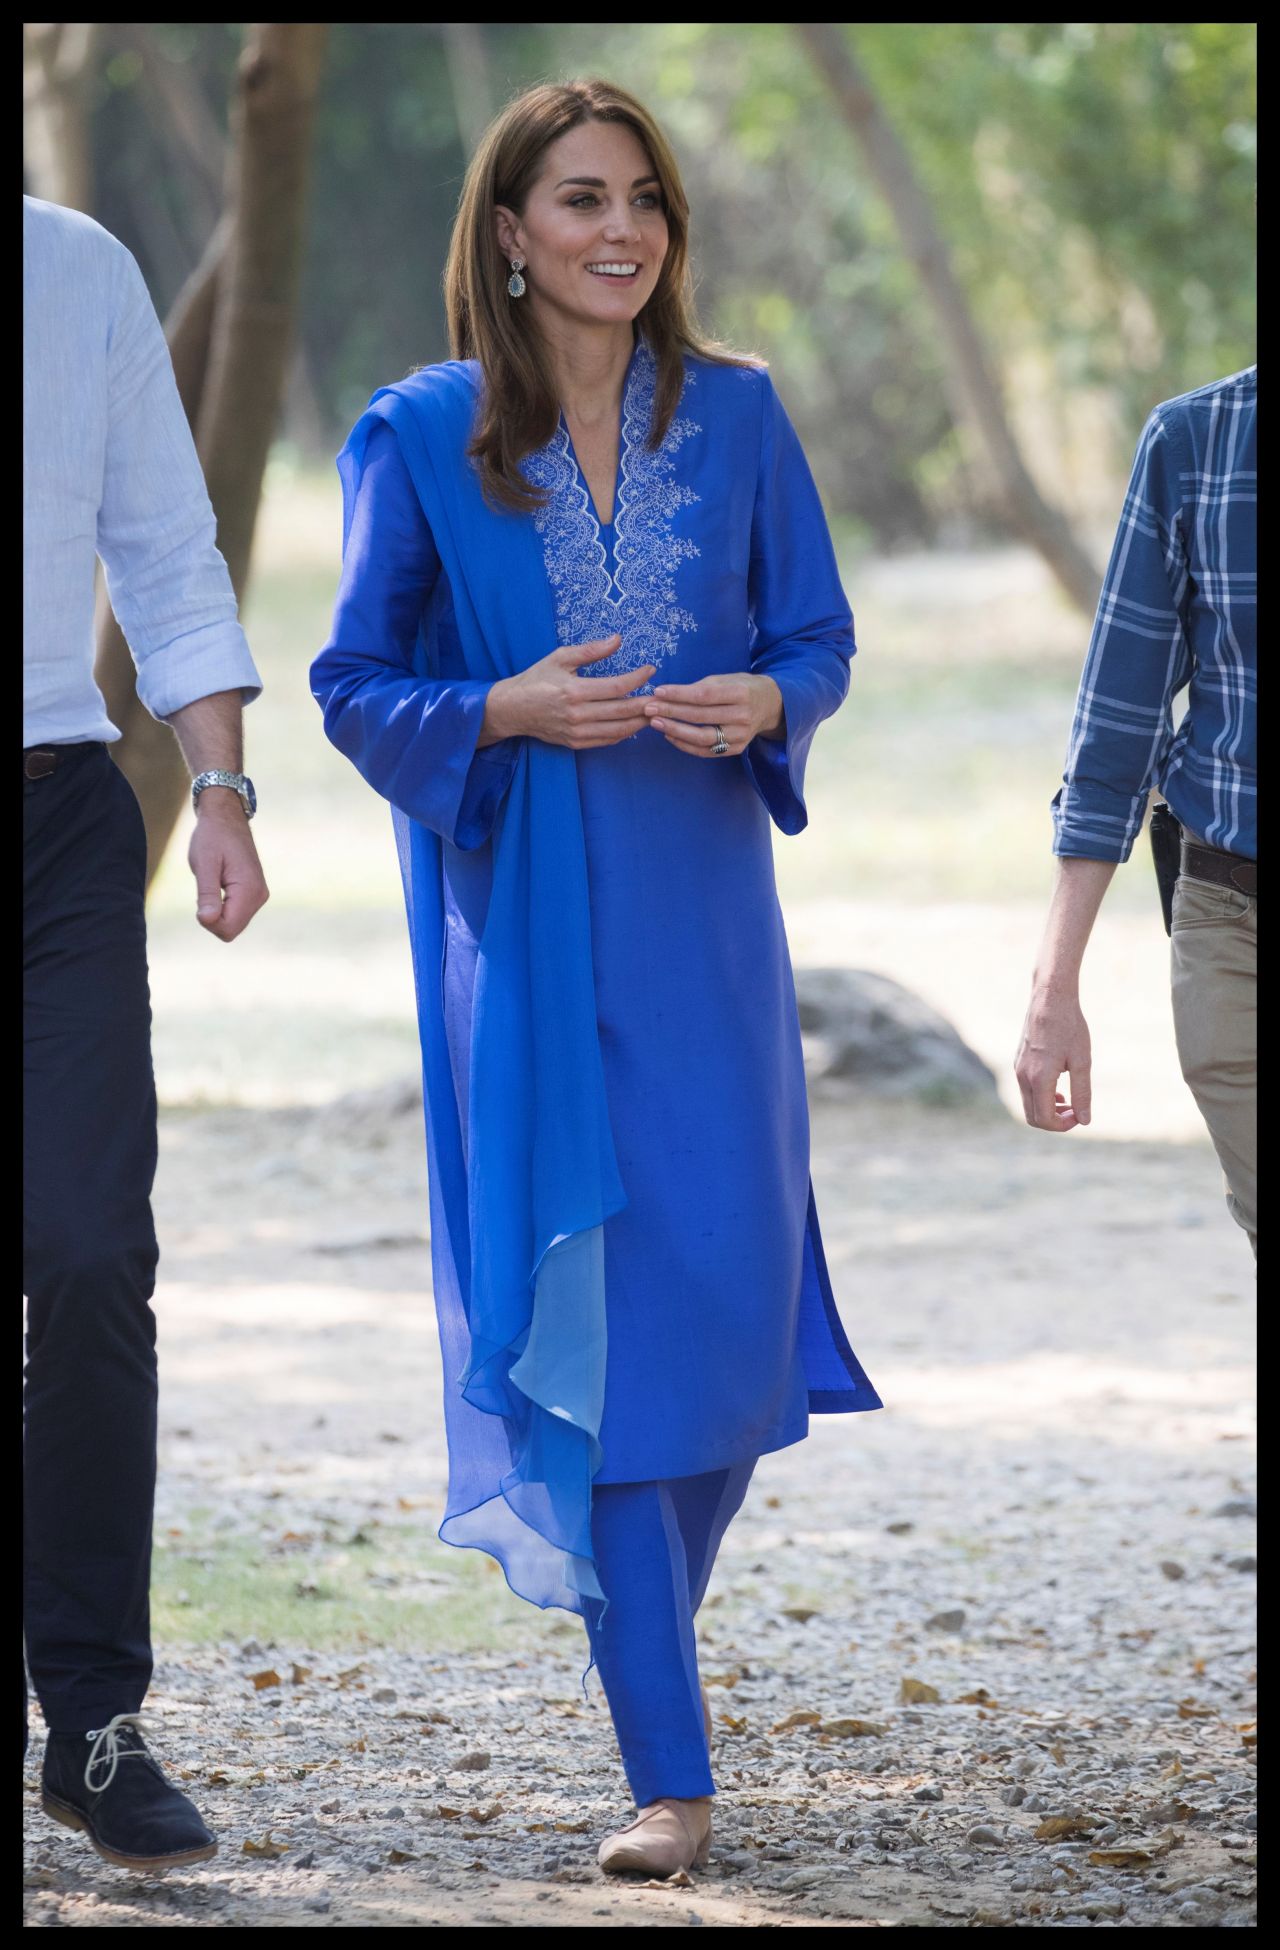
(515, 283)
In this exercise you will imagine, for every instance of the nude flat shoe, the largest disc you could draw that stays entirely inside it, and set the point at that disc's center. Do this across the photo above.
(664, 1838)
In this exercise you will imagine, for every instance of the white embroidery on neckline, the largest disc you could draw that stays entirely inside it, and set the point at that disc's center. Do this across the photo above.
(638, 600)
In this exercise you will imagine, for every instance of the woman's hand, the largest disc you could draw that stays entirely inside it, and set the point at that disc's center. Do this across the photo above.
(739, 708)
(551, 702)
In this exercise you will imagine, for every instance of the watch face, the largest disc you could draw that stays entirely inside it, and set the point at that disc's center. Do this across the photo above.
(251, 796)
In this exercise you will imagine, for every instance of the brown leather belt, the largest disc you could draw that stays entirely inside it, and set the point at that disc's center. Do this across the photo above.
(1223, 869)
(40, 761)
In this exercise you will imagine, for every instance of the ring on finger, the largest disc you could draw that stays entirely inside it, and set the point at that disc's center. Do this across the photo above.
(720, 746)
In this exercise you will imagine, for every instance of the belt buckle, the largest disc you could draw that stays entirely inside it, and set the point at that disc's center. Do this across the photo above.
(39, 764)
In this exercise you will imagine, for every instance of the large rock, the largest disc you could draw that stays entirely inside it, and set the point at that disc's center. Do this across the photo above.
(866, 1033)
(862, 1033)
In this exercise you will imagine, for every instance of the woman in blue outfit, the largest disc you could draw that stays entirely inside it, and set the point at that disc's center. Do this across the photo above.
(588, 624)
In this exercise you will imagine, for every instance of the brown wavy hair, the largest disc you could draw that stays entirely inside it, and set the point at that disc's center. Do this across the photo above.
(519, 408)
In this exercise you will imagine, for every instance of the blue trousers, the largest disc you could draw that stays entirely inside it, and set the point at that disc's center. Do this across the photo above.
(655, 1546)
(89, 1249)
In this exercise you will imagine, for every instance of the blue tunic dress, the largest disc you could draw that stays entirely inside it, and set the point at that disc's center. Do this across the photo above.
(720, 1334)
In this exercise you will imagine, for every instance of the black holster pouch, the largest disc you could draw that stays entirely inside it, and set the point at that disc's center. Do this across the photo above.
(1166, 851)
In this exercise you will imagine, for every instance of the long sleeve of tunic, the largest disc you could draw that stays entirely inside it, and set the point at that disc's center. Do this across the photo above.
(412, 736)
(801, 626)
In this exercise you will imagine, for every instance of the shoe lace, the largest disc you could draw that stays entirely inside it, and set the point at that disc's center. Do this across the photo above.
(111, 1745)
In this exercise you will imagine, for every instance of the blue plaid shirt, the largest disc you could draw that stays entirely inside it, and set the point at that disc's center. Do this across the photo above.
(1179, 608)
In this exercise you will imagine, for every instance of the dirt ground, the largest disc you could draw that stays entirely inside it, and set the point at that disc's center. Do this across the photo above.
(982, 1659)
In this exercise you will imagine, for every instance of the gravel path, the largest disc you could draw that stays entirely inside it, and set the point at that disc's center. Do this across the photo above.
(983, 1659)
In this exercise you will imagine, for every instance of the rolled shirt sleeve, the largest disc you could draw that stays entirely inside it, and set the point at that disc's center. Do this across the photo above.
(168, 584)
(1139, 658)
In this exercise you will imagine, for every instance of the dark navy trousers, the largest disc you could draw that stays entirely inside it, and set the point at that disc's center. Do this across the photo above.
(89, 1246)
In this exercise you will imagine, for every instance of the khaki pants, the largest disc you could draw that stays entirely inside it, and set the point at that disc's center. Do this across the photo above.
(1215, 1019)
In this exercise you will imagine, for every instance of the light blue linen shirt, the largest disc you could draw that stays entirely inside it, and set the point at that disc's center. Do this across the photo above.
(110, 469)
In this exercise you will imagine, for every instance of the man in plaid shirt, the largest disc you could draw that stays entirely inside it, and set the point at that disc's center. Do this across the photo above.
(1178, 609)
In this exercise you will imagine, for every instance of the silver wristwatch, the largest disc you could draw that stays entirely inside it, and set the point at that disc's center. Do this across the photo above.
(238, 783)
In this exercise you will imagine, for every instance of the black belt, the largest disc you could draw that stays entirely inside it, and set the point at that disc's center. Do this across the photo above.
(39, 761)
(1223, 869)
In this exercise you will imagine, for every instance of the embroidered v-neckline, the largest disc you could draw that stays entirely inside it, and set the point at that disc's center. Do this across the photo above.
(620, 467)
(580, 471)
(621, 578)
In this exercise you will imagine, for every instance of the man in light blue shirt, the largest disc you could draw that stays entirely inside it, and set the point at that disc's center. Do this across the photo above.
(109, 473)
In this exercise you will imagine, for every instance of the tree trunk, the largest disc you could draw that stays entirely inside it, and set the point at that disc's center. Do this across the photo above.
(57, 67)
(197, 142)
(974, 392)
(231, 334)
(467, 59)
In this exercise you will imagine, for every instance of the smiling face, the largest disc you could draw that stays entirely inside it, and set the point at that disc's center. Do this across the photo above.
(593, 232)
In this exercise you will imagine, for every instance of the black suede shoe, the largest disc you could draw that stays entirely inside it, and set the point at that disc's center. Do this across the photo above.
(106, 1785)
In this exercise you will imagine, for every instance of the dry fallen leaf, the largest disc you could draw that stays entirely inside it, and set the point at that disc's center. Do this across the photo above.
(1059, 1753)
(572, 1827)
(400, 1855)
(1056, 1828)
(773, 1503)
(261, 1680)
(978, 1697)
(850, 1729)
(734, 1726)
(482, 1814)
(721, 1678)
(1248, 1739)
(801, 1613)
(680, 1880)
(449, 1814)
(1194, 1709)
(1120, 1858)
(298, 1675)
(915, 1692)
(1172, 1770)
(267, 1846)
(794, 1720)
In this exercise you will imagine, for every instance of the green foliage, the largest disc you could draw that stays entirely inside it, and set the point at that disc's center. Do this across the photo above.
(1096, 181)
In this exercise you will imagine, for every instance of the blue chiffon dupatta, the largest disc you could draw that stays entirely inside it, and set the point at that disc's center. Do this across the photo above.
(519, 1200)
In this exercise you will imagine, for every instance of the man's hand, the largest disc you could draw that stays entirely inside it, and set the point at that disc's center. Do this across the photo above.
(229, 884)
(551, 702)
(739, 708)
(1055, 1035)
(230, 887)
(1055, 1040)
